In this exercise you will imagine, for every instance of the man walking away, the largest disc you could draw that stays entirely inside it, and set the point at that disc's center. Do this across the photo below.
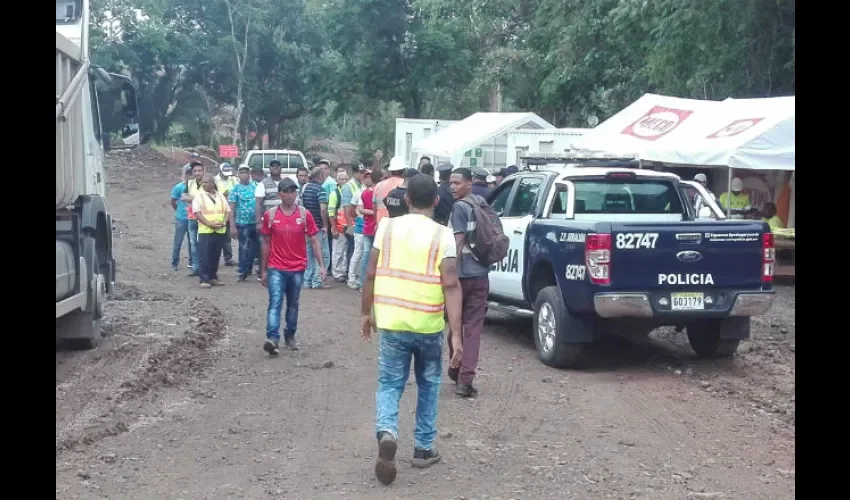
(316, 202)
(474, 281)
(286, 229)
(194, 185)
(355, 278)
(411, 279)
(336, 216)
(224, 182)
(243, 225)
(213, 214)
(396, 206)
(181, 225)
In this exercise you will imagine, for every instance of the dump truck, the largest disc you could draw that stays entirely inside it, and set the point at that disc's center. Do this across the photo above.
(95, 111)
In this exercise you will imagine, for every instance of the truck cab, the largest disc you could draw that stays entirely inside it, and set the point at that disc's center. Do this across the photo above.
(290, 160)
(614, 249)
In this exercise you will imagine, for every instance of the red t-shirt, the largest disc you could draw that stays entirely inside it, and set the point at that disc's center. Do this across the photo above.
(369, 225)
(288, 243)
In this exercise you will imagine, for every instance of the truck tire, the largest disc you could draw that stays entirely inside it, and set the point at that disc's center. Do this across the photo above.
(551, 319)
(706, 342)
(80, 330)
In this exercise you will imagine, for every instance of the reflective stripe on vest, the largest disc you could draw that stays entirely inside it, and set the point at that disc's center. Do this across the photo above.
(193, 187)
(271, 199)
(408, 288)
(214, 213)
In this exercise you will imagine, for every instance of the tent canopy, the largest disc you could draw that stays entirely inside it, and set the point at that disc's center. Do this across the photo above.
(474, 130)
(756, 134)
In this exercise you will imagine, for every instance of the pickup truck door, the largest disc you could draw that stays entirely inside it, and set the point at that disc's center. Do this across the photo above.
(506, 276)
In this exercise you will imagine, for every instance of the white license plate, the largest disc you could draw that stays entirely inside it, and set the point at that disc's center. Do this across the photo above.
(686, 301)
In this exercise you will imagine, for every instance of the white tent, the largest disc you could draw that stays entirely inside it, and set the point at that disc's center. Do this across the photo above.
(452, 142)
(755, 134)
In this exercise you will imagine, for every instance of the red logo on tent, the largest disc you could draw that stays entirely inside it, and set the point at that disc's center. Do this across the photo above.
(735, 128)
(656, 123)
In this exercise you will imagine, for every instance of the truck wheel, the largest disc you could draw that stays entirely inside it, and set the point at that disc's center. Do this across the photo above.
(81, 329)
(551, 318)
(706, 342)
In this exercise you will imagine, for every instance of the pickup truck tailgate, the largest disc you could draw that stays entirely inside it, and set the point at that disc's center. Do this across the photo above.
(686, 255)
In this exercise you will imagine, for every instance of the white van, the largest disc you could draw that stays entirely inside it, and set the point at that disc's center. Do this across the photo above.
(290, 160)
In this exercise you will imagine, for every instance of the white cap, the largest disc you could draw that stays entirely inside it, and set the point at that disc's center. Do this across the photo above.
(701, 178)
(737, 184)
(396, 164)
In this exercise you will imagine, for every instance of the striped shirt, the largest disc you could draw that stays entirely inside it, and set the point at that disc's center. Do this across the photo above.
(312, 197)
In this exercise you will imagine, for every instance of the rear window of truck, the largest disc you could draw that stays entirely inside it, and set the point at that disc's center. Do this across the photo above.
(626, 197)
(289, 162)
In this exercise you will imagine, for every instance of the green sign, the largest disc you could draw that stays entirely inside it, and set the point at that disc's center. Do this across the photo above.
(473, 162)
(478, 152)
(468, 153)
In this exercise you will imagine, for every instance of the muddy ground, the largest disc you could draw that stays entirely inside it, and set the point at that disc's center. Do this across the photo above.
(180, 402)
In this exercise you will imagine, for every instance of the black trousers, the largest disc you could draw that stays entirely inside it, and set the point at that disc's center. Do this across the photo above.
(210, 246)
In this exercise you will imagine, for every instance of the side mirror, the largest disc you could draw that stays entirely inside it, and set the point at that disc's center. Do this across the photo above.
(124, 119)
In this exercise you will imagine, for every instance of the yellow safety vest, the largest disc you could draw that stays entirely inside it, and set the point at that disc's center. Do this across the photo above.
(192, 189)
(223, 184)
(739, 201)
(213, 211)
(408, 288)
(774, 222)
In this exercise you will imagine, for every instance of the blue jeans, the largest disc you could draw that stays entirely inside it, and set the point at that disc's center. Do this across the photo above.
(181, 231)
(312, 277)
(249, 245)
(368, 241)
(394, 352)
(193, 244)
(280, 284)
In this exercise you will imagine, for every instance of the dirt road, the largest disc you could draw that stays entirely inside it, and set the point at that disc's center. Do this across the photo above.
(180, 401)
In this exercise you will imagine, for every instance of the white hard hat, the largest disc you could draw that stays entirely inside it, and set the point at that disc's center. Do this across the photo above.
(701, 178)
(396, 164)
(737, 184)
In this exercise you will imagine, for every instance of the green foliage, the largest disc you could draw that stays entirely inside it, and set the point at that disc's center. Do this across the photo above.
(345, 69)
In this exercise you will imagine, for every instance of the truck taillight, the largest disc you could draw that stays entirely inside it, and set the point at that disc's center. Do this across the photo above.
(597, 257)
(768, 257)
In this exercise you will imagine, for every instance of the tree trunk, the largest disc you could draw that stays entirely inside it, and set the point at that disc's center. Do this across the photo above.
(494, 95)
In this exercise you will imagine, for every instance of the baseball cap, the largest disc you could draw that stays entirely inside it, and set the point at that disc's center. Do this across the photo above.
(194, 155)
(226, 169)
(357, 168)
(285, 184)
(396, 164)
(323, 162)
(510, 170)
(244, 168)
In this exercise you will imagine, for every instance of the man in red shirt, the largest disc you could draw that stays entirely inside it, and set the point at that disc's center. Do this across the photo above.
(366, 208)
(284, 260)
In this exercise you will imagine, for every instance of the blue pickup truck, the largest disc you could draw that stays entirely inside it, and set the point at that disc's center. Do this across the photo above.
(599, 250)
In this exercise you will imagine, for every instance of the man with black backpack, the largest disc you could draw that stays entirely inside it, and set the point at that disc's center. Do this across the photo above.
(480, 242)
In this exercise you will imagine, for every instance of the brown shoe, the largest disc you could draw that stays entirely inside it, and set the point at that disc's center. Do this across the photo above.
(216, 283)
(206, 285)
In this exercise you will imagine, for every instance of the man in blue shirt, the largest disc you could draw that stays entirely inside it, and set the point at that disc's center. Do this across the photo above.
(181, 226)
(242, 224)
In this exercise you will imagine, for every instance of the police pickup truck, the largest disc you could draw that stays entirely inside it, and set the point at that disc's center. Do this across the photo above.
(598, 250)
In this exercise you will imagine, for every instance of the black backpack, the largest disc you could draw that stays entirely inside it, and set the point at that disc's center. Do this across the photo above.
(488, 242)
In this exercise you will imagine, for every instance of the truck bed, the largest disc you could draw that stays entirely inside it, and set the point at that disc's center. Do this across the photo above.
(70, 159)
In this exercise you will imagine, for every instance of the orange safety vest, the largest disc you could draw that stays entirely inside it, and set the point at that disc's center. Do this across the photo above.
(408, 287)
(380, 194)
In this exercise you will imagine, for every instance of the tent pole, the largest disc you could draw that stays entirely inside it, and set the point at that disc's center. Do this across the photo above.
(728, 195)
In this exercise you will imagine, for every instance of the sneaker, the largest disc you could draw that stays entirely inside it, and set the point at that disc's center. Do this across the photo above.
(215, 282)
(466, 391)
(290, 343)
(206, 285)
(271, 347)
(385, 469)
(259, 278)
(453, 374)
(241, 278)
(351, 285)
(339, 280)
(425, 458)
(230, 263)
(323, 286)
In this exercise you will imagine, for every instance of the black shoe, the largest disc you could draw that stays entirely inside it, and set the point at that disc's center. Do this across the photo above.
(271, 347)
(453, 373)
(241, 277)
(290, 343)
(466, 391)
(385, 469)
(230, 263)
(425, 458)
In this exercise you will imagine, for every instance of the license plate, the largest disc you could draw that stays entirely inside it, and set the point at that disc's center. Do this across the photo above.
(686, 301)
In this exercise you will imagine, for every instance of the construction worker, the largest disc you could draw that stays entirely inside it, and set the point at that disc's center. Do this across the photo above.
(224, 182)
(213, 214)
(410, 279)
(194, 186)
(699, 202)
(383, 188)
(735, 201)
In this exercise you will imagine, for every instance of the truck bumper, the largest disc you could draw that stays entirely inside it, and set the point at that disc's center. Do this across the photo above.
(723, 304)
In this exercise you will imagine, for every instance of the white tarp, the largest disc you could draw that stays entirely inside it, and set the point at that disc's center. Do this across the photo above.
(474, 130)
(756, 134)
